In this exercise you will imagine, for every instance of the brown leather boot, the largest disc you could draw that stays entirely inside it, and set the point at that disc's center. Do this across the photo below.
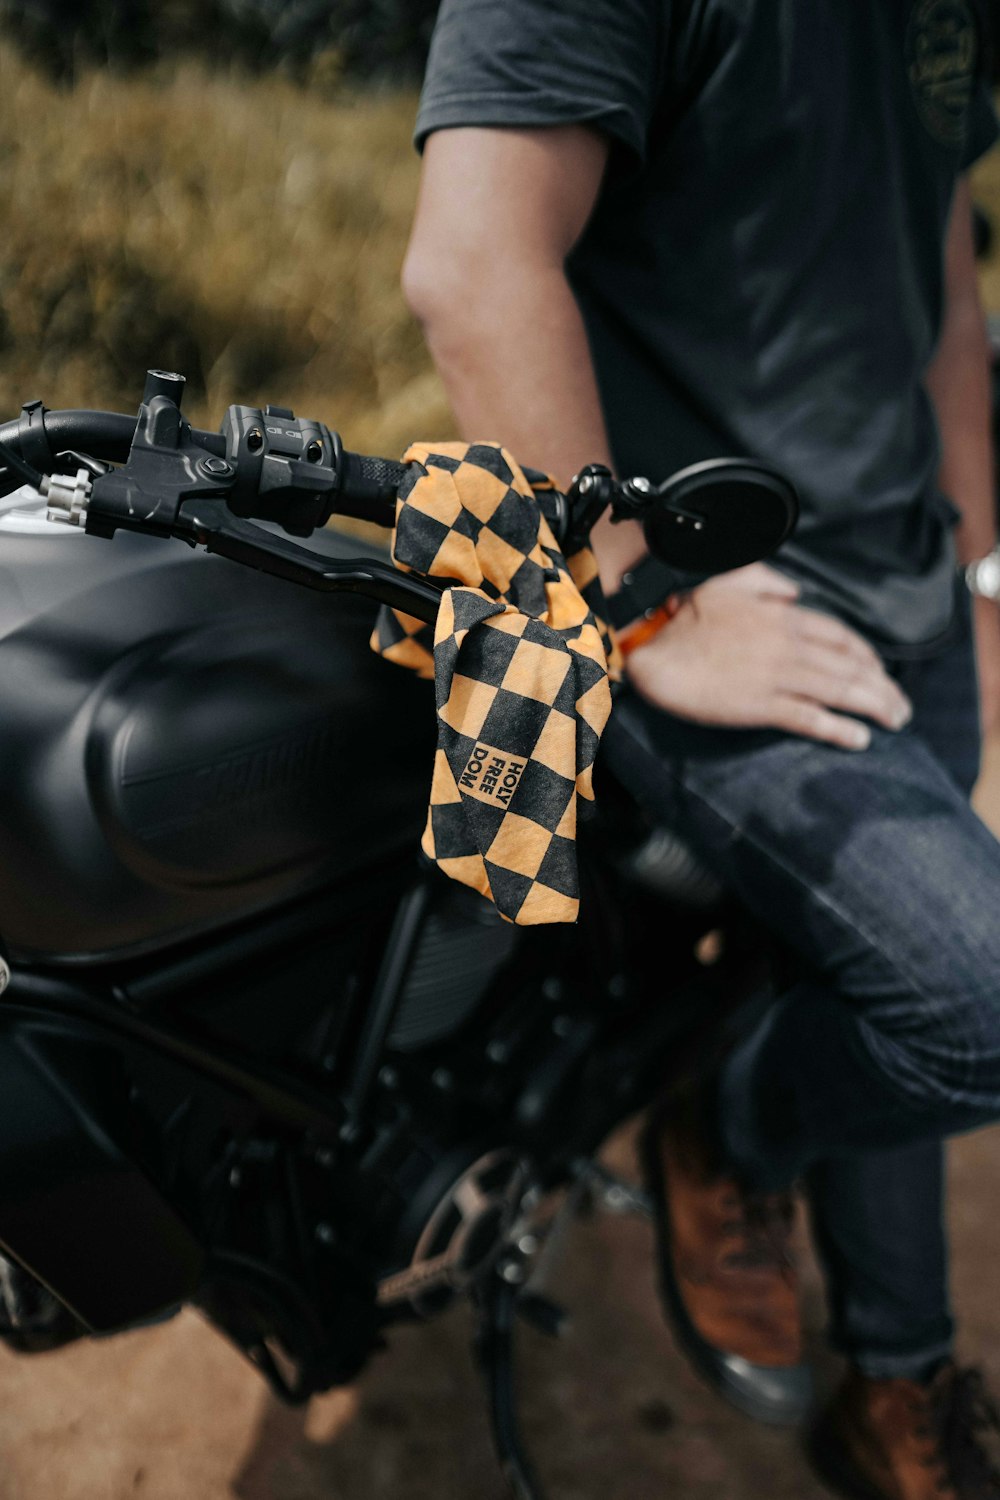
(900, 1440)
(727, 1273)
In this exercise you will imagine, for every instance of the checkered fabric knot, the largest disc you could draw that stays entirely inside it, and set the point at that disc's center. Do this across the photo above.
(520, 658)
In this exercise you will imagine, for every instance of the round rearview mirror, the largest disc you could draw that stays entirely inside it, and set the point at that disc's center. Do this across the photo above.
(719, 515)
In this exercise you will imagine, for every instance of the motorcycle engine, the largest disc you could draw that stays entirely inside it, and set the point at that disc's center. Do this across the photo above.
(463, 945)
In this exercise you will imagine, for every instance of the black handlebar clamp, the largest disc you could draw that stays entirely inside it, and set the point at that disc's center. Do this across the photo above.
(166, 466)
(287, 468)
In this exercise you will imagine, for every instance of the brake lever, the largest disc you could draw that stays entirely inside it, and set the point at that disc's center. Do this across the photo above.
(171, 486)
(206, 522)
(210, 524)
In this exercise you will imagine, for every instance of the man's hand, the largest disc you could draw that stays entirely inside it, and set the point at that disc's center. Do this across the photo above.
(742, 653)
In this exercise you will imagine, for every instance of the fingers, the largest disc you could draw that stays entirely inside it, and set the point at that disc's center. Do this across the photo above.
(824, 630)
(741, 653)
(814, 722)
(868, 692)
(839, 669)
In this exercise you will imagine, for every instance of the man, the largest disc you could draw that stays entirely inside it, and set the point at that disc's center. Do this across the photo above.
(656, 231)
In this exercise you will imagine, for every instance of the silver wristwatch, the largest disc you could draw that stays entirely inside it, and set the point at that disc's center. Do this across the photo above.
(982, 577)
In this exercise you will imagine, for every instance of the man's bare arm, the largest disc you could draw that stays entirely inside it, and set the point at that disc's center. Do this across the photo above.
(959, 384)
(499, 211)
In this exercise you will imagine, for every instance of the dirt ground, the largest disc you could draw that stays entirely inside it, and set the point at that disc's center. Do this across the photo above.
(612, 1411)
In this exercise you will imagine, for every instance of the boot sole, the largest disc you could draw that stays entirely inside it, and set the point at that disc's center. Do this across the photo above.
(728, 1375)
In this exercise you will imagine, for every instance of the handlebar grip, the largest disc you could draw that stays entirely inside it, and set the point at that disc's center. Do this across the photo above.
(368, 488)
(384, 473)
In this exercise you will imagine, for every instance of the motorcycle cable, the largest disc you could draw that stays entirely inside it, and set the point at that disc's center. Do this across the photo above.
(16, 466)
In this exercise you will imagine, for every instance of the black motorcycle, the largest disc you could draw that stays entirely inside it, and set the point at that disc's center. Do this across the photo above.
(255, 1054)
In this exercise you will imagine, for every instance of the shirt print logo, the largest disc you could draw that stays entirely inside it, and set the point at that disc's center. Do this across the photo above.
(942, 47)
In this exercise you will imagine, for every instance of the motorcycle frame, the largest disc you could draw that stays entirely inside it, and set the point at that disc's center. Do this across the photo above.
(64, 1152)
(129, 1252)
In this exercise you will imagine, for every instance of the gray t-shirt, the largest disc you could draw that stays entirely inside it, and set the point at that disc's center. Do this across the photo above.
(762, 274)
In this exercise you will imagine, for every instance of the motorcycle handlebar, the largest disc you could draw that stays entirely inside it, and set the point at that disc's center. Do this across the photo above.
(366, 487)
(106, 435)
(268, 465)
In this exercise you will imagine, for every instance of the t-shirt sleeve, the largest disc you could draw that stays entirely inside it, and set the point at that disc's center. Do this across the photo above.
(545, 62)
(982, 129)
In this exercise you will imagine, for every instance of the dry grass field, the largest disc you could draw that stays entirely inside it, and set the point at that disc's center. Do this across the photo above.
(243, 231)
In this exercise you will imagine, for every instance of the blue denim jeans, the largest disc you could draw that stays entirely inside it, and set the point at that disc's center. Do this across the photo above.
(874, 870)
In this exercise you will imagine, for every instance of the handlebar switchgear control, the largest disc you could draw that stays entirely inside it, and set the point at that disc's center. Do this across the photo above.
(287, 467)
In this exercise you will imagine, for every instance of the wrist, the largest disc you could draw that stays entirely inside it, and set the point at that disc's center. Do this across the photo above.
(641, 631)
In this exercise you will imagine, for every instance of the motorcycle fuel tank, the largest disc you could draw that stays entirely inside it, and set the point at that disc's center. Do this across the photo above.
(185, 742)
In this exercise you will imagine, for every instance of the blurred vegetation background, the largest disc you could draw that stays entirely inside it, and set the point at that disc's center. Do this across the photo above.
(319, 41)
(244, 225)
(222, 187)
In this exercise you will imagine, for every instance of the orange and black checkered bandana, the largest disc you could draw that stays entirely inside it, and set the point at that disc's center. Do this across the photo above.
(520, 661)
